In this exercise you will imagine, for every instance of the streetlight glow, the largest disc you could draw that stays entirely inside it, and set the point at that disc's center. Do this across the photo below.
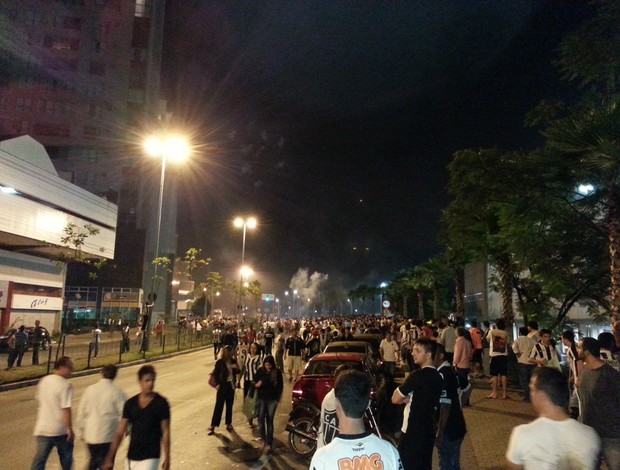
(175, 148)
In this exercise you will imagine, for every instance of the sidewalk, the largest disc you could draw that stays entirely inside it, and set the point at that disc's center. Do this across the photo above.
(489, 424)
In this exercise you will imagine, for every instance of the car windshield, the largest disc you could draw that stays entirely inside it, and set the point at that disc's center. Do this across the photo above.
(328, 367)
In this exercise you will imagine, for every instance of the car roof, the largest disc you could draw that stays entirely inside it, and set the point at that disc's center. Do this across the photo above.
(338, 356)
(346, 343)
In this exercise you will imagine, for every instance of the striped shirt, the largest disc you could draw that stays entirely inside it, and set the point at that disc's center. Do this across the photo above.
(251, 365)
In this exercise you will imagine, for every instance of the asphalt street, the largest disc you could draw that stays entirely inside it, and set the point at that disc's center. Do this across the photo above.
(183, 381)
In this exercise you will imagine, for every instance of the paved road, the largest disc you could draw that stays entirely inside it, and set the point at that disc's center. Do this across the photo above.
(183, 380)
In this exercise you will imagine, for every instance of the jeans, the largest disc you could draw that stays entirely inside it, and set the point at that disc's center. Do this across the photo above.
(267, 410)
(45, 444)
(450, 454)
(611, 452)
(98, 453)
(525, 374)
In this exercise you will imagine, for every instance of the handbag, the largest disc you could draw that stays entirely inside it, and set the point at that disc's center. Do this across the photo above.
(249, 405)
(212, 380)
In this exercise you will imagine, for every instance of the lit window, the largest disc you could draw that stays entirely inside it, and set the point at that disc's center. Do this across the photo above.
(143, 8)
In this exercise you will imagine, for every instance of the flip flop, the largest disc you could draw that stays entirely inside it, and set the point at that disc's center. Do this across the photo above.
(505, 398)
(491, 396)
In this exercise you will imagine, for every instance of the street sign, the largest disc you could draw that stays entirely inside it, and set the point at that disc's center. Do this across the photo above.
(268, 297)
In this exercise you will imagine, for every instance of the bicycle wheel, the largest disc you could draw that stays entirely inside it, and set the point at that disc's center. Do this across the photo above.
(303, 446)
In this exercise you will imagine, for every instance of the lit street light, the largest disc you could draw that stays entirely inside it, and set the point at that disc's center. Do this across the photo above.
(171, 148)
(240, 222)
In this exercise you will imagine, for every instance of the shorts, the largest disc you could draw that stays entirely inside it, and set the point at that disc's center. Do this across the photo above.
(499, 365)
(477, 357)
(294, 364)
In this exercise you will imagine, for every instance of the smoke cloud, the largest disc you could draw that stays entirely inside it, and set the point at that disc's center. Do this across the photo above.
(307, 285)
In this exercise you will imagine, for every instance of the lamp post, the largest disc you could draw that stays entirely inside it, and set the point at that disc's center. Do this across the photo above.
(240, 222)
(169, 148)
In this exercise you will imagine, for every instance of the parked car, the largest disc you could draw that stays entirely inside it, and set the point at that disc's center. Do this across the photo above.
(361, 347)
(4, 339)
(310, 389)
(318, 377)
(373, 339)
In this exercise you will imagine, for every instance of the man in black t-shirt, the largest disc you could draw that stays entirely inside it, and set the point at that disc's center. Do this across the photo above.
(422, 391)
(148, 413)
(451, 427)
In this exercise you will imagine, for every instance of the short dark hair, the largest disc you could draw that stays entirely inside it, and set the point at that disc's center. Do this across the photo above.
(352, 389)
(500, 323)
(606, 340)
(269, 359)
(592, 346)
(146, 370)
(569, 335)
(533, 325)
(63, 361)
(523, 331)
(429, 345)
(552, 383)
(109, 371)
(544, 331)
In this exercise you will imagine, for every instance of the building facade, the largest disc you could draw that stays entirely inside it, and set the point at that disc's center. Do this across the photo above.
(82, 77)
(37, 208)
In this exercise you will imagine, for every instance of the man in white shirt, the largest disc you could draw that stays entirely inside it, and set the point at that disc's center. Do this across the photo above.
(447, 337)
(553, 440)
(354, 446)
(53, 427)
(100, 411)
(389, 355)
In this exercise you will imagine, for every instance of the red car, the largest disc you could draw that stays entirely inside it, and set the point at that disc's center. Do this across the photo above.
(318, 377)
(310, 389)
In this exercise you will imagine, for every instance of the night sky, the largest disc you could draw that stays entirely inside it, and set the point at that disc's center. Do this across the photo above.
(333, 121)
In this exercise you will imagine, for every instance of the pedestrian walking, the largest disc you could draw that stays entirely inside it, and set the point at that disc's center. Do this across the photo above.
(148, 414)
(18, 344)
(553, 440)
(99, 414)
(225, 372)
(498, 351)
(599, 397)
(522, 348)
(269, 385)
(96, 340)
(37, 340)
(53, 426)
(250, 366)
(294, 348)
(126, 338)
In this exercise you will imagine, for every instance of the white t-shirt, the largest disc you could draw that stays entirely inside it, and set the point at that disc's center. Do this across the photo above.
(328, 427)
(54, 393)
(545, 444)
(100, 411)
(390, 350)
(357, 451)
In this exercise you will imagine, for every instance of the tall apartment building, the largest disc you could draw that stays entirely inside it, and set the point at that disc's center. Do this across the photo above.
(82, 77)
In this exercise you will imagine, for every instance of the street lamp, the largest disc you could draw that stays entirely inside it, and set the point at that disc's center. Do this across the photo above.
(170, 148)
(240, 222)
(350, 305)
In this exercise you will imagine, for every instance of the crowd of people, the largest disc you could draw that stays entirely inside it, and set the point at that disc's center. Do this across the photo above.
(439, 360)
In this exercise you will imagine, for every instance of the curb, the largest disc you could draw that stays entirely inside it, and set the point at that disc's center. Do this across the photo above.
(31, 382)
